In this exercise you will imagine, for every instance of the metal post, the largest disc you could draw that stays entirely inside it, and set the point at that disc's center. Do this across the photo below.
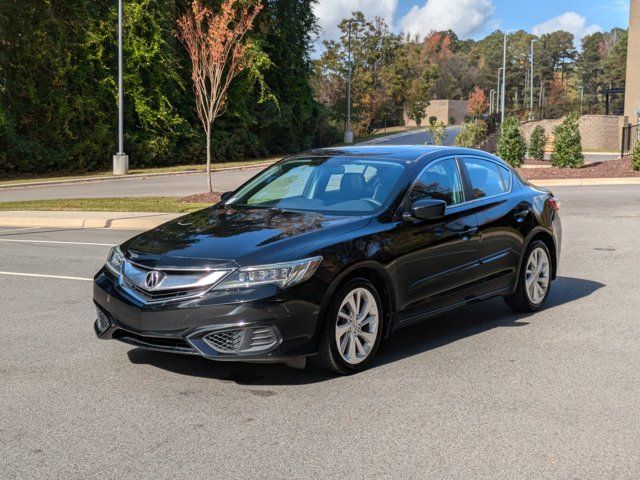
(531, 82)
(348, 134)
(498, 92)
(491, 97)
(120, 159)
(504, 76)
(581, 88)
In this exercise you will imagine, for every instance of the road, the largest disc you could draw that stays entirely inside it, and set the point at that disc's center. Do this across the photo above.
(481, 393)
(415, 137)
(173, 185)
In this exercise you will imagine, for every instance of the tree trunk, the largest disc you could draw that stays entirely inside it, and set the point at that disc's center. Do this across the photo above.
(209, 186)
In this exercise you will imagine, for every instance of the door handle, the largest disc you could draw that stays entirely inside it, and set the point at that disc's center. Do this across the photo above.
(468, 232)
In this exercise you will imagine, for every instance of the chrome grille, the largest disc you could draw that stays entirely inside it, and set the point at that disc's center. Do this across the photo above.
(227, 341)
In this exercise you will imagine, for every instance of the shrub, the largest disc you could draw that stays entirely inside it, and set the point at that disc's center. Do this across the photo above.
(438, 132)
(432, 120)
(452, 120)
(511, 145)
(635, 159)
(567, 144)
(537, 143)
(472, 134)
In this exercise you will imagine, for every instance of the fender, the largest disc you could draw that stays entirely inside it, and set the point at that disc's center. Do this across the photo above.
(390, 284)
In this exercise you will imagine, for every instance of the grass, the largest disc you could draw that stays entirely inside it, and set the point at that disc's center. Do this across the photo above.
(127, 204)
(140, 171)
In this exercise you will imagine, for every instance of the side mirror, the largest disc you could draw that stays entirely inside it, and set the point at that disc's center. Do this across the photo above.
(225, 196)
(427, 209)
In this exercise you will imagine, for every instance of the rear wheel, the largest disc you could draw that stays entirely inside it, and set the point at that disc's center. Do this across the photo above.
(534, 283)
(353, 328)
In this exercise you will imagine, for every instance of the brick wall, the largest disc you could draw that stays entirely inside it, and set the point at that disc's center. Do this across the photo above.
(601, 133)
(443, 110)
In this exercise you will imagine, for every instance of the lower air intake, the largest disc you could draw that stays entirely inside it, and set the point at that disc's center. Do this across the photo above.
(243, 340)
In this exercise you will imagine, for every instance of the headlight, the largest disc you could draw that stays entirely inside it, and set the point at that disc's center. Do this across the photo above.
(115, 259)
(280, 274)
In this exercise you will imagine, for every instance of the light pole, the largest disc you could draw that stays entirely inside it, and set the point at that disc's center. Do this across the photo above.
(491, 95)
(531, 80)
(498, 91)
(120, 160)
(581, 88)
(504, 75)
(348, 134)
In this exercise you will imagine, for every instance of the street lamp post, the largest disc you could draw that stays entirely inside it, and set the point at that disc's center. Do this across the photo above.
(491, 95)
(531, 81)
(504, 76)
(348, 134)
(581, 88)
(120, 159)
(498, 91)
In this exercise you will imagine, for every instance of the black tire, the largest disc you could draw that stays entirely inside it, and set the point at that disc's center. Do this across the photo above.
(519, 301)
(329, 357)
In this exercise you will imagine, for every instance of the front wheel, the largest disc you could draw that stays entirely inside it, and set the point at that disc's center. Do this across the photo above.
(353, 328)
(534, 282)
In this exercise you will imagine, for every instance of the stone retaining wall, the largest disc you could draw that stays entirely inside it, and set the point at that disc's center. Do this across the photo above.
(601, 133)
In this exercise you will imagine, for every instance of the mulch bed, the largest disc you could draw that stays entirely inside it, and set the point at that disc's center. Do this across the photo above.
(202, 198)
(608, 169)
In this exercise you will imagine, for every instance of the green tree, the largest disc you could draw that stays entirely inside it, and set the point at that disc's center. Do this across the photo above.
(511, 144)
(438, 131)
(537, 143)
(472, 134)
(567, 146)
(636, 156)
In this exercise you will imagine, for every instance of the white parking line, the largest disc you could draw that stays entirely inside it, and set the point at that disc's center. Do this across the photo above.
(38, 275)
(55, 242)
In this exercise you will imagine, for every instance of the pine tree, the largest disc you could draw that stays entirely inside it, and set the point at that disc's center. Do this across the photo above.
(567, 144)
(511, 144)
(537, 143)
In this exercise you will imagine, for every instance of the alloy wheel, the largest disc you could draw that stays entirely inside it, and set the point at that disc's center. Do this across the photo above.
(357, 325)
(537, 275)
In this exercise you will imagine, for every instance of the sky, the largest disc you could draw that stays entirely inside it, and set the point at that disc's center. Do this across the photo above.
(477, 18)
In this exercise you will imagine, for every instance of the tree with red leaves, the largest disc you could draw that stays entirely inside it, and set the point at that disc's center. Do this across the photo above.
(478, 103)
(219, 51)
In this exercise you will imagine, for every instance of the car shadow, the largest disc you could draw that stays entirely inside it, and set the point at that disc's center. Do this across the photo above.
(404, 343)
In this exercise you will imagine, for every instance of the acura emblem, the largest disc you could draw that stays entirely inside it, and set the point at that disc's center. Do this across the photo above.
(153, 279)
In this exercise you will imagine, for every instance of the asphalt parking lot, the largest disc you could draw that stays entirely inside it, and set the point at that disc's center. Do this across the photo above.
(480, 393)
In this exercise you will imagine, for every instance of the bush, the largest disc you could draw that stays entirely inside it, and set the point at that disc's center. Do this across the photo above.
(635, 160)
(567, 144)
(452, 120)
(438, 132)
(537, 143)
(511, 145)
(472, 134)
(432, 120)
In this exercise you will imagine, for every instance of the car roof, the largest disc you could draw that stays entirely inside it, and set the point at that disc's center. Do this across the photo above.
(399, 153)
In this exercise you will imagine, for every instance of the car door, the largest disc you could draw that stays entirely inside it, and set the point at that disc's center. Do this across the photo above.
(437, 259)
(499, 220)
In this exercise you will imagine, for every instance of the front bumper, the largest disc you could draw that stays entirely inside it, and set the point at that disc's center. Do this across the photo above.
(261, 324)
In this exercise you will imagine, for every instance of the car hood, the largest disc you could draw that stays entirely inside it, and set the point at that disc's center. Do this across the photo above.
(227, 237)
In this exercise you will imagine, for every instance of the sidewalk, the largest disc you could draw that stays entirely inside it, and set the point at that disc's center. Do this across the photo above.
(56, 219)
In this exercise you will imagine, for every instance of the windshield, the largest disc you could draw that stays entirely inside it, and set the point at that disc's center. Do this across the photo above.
(333, 185)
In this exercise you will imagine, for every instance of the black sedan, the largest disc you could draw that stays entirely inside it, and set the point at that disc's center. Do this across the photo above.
(326, 253)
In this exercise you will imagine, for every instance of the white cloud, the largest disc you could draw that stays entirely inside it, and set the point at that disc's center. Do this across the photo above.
(569, 22)
(462, 16)
(331, 12)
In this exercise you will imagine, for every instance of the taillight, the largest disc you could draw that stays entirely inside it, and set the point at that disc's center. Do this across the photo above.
(553, 201)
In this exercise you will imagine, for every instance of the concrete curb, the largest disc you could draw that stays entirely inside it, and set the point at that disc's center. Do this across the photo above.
(130, 176)
(573, 182)
(115, 220)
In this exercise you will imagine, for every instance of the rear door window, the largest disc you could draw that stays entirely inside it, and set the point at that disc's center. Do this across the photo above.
(487, 178)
